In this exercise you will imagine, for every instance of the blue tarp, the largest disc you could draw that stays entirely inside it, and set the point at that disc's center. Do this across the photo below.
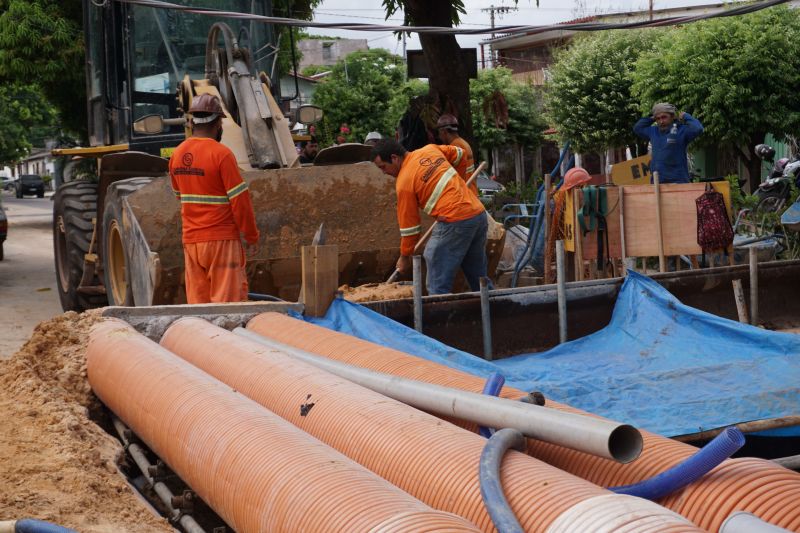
(659, 365)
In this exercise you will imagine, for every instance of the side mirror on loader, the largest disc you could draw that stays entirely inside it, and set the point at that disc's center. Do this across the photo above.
(153, 124)
(308, 114)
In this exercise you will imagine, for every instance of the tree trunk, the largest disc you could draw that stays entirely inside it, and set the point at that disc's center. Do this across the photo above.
(752, 161)
(448, 84)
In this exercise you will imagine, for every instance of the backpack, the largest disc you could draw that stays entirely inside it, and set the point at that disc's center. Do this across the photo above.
(714, 230)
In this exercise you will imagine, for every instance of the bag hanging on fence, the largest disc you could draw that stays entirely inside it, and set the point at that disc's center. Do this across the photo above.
(714, 230)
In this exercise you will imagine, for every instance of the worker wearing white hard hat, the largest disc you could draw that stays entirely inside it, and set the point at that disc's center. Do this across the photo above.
(372, 138)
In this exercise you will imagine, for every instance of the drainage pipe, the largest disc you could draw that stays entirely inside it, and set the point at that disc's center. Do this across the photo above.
(603, 438)
(165, 495)
(258, 472)
(503, 516)
(31, 525)
(698, 465)
(743, 522)
(419, 453)
(758, 486)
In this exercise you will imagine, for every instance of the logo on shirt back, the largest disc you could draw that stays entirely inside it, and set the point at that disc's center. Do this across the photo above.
(187, 159)
(433, 164)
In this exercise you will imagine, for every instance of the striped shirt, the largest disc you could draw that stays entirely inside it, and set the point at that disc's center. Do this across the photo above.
(215, 200)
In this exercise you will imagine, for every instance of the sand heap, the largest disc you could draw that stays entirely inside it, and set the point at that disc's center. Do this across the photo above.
(57, 464)
(373, 292)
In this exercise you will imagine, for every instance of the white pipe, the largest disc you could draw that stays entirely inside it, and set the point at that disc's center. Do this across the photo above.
(616, 512)
(744, 522)
(597, 436)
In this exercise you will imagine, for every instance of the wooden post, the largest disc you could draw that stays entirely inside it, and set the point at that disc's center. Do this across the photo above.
(320, 275)
(622, 230)
(662, 261)
(561, 292)
(548, 274)
(753, 286)
(741, 304)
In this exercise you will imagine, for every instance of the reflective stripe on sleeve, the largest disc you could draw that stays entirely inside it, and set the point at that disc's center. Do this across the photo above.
(203, 199)
(459, 155)
(437, 192)
(471, 169)
(236, 191)
(407, 232)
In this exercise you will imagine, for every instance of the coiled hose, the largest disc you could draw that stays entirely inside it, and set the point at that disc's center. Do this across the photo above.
(494, 498)
(706, 459)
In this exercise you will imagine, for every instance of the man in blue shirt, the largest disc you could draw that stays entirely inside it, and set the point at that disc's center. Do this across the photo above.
(669, 140)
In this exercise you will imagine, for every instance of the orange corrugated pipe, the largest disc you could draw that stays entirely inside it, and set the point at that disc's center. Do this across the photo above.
(258, 472)
(434, 461)
(766, 493)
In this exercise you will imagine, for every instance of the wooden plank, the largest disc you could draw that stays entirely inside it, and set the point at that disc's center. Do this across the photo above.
(632, 172)
(662, 260)
(320, 276)
(679, 214)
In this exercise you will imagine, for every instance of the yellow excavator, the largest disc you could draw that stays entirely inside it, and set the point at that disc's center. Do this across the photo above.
(117, 236)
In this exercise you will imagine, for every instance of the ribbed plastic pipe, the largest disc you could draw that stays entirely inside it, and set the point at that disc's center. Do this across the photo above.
(434, 461)
(258, 472)
(771, 493)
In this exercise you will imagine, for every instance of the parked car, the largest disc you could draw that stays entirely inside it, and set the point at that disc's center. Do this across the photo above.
(30, 184)
(6, 183)
(487, 187)
(3, 227)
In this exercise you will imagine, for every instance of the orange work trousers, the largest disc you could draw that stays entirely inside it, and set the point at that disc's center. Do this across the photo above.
(215, 272)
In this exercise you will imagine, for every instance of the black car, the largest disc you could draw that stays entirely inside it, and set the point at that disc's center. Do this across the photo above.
(3, 227)
(30, 184)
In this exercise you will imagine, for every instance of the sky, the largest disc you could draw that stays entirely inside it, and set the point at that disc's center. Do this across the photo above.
(548, 12)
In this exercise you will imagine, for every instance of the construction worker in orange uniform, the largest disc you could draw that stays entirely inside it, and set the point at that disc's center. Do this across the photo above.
(427, 180)
(447, 128)
(216, 209)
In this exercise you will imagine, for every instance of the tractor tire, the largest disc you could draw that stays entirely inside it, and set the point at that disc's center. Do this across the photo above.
(74, 207)
(115, 245)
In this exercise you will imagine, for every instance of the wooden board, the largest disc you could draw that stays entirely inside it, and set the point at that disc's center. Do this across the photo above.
(679, 218)
(632, 172)
(589, 241)
(320, 275)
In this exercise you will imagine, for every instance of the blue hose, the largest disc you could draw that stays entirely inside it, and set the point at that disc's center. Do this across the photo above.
(492, 387)
(503, 517)
(689, 471)
(263, 297)
(536, 223)
(29, 525)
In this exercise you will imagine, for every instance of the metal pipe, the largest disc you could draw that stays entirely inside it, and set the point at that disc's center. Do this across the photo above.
(417, 264)
(165, 495)
(546, 228)
(753, 286)
(597, 436)
(744, 427)
(486, 319)
(744, 522)
(561, 292)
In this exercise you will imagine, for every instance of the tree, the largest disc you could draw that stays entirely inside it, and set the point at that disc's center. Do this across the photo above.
(588, 97)
(365, 90)
(738, 75)
(525, 122)
(25, 118)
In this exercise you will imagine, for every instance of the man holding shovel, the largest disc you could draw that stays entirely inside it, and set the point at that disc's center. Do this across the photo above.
(427, 180)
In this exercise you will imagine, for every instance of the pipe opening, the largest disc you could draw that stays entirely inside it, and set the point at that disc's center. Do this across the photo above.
(625, 443)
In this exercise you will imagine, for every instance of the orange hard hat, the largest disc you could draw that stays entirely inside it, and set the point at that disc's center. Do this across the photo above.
(575, 177)
(447, 120)
(205, 108)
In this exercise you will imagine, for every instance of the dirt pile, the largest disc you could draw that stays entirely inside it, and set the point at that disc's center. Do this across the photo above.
(57, 464)
(373, 292)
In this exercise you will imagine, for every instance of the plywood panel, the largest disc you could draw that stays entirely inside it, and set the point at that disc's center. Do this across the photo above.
(589, 241)
(679, 218)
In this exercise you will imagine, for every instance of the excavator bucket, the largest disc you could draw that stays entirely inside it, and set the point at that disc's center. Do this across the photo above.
(356, 203)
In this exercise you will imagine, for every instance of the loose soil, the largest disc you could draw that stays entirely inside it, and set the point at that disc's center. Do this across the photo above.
(373, 292)
(58, 464)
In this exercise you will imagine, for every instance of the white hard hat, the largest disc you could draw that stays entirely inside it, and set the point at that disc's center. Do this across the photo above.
(373, 136)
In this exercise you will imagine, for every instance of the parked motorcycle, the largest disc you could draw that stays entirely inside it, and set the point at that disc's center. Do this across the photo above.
(775, 189)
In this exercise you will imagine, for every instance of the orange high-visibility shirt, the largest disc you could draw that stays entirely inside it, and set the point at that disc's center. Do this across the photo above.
(428, 181)
(215, 201)
(466, 166)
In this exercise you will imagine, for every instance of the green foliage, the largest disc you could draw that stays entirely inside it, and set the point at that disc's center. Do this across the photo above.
(312, 70)
(740, 200)
(525, 122)
(41, 42)
(25, 117)
(299, 9)
(738, 75)
(367, 92)
(588, 98)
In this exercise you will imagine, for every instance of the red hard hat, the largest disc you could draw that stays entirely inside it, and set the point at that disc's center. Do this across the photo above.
(575, 177)
(447, 120)
(205, 108)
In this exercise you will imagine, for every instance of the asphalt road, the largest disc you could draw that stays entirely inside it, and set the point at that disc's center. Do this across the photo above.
(28, 290)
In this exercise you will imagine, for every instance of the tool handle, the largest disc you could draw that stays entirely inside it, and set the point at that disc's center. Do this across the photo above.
(421, 243)
(393, 276)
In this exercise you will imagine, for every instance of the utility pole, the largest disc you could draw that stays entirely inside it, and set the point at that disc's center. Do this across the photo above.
(500, 10)
(651, 10)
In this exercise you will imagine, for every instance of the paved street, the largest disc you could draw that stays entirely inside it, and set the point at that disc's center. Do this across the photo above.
(28, 290)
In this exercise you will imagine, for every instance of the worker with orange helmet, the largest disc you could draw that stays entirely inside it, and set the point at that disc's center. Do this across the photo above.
(427, 180)
(216, 209)
(447, 128)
